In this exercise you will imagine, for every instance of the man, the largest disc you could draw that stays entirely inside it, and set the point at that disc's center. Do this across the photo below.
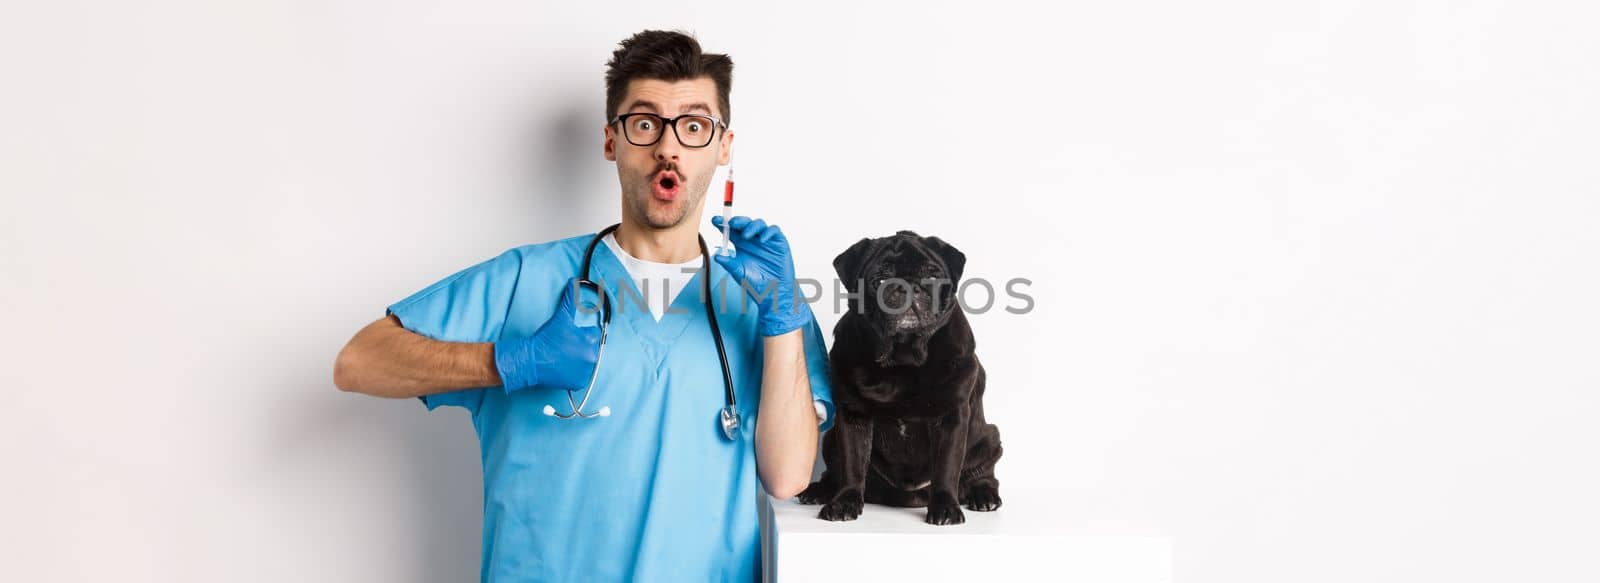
(653, 490)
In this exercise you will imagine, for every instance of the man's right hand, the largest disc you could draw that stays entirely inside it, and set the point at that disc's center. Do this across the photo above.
(561, 354)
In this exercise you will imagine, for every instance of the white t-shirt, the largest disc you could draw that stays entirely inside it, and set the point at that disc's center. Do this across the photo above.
(651, 278)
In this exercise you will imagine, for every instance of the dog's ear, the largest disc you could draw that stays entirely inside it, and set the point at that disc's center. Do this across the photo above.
(953, 258)
(848, 264)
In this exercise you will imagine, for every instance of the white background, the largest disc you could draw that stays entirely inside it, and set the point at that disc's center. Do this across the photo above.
(1314, 281)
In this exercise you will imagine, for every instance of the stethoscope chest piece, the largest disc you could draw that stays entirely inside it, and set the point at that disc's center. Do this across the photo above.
(550, 410)
(730, 421)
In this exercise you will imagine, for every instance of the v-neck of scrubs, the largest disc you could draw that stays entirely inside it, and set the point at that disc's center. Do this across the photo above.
(658, 336)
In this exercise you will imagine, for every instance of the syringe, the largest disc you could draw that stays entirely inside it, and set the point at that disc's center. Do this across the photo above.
(727, 213)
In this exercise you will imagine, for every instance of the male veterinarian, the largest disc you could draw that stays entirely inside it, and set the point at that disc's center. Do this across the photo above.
(654, 491)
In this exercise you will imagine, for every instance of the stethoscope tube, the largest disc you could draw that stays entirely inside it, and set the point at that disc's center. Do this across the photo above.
(600, 352)
(728, 416)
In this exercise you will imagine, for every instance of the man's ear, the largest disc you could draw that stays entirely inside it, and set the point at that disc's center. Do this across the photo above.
(610, 143)
(848, 264)
(726, 147)
(953, 258)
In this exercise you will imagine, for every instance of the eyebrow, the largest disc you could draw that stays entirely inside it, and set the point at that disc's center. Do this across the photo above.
(687, 107)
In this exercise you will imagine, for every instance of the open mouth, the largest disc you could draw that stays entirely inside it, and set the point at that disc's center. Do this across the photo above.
(666, 185)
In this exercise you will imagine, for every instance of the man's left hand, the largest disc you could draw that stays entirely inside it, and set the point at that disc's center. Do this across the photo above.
(764, 263)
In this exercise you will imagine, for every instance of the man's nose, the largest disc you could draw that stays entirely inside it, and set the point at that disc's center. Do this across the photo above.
(668, 148)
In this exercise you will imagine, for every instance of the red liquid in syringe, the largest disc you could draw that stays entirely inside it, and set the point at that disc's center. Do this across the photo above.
(727, 213)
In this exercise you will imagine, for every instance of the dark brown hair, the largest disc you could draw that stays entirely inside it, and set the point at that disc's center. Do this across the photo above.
(667, 56)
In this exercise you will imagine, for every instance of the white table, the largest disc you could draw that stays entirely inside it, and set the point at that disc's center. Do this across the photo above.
(1027, 539)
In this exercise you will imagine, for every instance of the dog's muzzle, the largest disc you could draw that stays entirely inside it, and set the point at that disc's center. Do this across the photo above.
(904, 349)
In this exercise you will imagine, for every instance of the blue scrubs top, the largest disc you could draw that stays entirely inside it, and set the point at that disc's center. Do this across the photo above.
(653, 492)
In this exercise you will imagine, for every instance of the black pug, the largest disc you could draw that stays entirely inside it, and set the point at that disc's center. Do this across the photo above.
(907, 388)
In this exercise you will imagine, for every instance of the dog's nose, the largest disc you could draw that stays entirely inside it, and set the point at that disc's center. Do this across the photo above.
(907, 322)
(911, 319)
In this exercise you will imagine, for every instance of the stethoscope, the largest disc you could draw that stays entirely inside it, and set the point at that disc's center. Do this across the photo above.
(730, 413)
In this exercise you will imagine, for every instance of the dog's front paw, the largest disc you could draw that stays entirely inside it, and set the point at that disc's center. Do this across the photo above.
(816, 493)
(842, 508)
(943, 514)
(982, 498)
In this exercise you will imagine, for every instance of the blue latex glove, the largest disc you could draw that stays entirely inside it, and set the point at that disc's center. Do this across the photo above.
(763, 260)
(561, 354)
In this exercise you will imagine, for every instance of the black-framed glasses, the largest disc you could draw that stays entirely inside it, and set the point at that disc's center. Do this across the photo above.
(692, 130)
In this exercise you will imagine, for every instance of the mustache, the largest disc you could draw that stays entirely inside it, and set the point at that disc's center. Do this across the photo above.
(664, 167)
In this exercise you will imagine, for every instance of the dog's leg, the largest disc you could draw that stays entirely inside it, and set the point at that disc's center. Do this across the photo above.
(949, 455)
(822, 490)
(855, 447)
(980, 490)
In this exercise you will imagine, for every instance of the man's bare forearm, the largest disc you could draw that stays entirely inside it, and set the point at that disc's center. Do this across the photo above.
(387, 360)
(786, 437)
